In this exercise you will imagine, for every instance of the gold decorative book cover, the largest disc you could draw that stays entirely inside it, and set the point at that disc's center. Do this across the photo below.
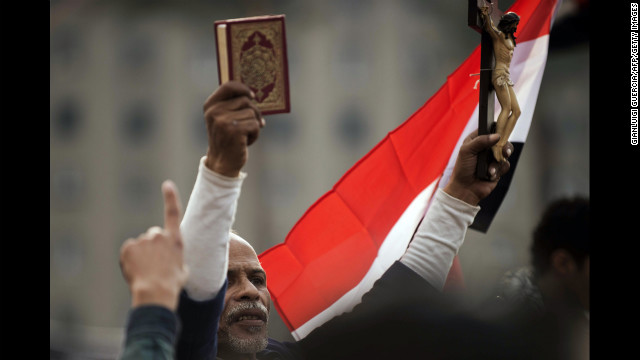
(253, 50)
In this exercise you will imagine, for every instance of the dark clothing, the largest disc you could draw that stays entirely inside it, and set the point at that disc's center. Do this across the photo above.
(277, 350)
(150, 333)
(198, 338)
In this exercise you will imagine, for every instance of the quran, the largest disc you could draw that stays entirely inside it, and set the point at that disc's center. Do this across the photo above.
(253, 50)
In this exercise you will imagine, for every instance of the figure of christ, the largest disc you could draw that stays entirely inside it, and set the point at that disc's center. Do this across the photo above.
(503, 45)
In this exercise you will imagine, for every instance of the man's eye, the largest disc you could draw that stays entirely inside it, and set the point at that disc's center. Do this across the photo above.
(257, 281)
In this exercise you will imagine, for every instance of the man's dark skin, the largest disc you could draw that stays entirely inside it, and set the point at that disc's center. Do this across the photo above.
(233, 123)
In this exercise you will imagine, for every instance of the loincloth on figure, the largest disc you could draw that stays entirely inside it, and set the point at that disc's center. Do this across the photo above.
(501, 77)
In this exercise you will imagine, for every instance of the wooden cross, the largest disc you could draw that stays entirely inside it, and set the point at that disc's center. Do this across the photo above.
(487, 63)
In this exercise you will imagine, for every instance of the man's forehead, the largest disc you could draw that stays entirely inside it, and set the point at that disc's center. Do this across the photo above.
(243, 262)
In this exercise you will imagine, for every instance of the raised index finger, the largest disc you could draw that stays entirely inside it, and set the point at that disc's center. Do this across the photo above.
(172, 207)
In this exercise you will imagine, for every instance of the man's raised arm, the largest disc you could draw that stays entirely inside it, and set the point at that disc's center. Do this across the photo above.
(441, 233)
(233, 123)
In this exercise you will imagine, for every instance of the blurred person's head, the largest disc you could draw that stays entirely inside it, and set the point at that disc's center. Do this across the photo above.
(243, 323)
(560, 250)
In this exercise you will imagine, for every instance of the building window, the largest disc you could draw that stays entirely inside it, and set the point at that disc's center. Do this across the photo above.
(65, 46)
(66, 119)
(352, 127)
(138, 124)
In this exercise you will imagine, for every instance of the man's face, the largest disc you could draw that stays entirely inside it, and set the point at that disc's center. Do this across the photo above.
(243, 324)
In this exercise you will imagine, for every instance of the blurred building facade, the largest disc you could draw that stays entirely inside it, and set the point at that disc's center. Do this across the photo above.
(127, 84)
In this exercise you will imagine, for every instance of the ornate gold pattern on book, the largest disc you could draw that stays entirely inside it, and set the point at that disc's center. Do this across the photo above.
(257, 54)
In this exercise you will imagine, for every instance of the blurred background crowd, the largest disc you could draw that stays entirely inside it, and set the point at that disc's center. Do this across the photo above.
(127, 83)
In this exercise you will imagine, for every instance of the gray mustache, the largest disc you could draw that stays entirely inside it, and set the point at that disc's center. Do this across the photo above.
(234, 311)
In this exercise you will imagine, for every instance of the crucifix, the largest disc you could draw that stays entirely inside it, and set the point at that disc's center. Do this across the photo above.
(497, 46)
(487, 92)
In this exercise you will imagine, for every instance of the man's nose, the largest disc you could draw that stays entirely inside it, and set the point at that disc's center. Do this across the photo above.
(247, 291)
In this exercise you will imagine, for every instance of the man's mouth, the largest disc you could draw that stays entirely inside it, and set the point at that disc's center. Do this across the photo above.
(250, 317)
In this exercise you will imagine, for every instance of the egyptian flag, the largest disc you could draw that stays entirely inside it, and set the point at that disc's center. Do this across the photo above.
(350, 236)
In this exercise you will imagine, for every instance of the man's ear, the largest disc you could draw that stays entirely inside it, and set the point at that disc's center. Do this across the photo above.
(563, 263)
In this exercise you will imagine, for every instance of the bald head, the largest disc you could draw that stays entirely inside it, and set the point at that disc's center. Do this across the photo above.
(236, 239)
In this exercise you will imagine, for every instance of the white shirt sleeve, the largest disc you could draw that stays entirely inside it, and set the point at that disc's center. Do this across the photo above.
(439, 237)
(205, 229)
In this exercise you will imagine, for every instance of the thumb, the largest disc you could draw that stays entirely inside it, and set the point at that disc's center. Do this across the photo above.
(172, 208)
(482, 142)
